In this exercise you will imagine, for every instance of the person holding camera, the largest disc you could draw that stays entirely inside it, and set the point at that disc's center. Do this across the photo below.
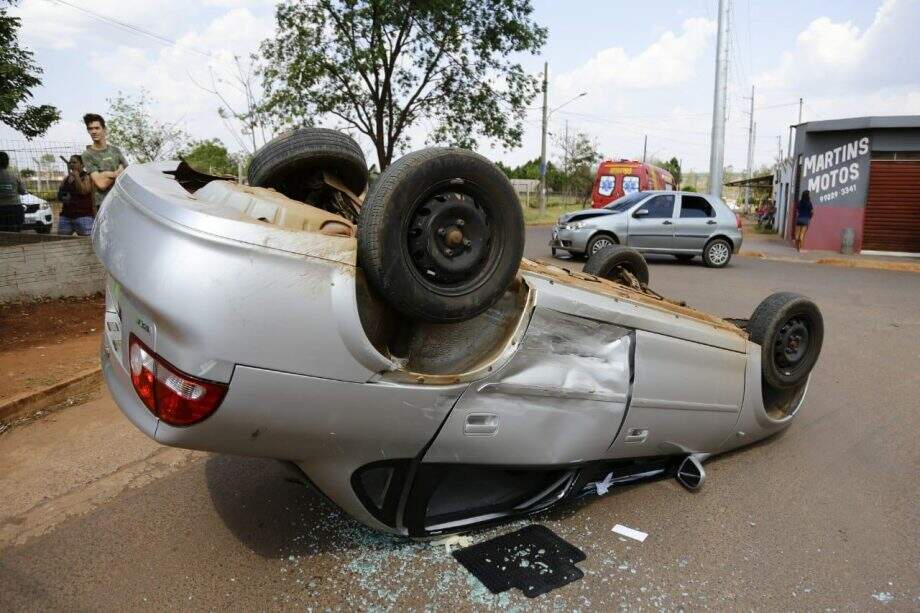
(76, 196)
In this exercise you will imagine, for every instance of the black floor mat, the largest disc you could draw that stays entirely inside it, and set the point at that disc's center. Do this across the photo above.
(533, 559)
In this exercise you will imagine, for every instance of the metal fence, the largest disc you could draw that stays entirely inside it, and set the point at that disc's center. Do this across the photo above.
(39, 163)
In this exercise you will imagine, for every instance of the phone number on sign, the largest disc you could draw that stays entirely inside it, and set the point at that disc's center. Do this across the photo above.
(836, 193)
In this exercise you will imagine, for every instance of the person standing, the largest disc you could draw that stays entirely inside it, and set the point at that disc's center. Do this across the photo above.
(76, 196)
(102, 161)
(12, 215)
(804, 211)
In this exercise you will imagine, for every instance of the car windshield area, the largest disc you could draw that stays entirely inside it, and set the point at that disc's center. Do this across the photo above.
(621, 204)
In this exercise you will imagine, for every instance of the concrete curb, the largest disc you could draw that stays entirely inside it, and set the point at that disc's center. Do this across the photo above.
(27, 403)
(840, 262)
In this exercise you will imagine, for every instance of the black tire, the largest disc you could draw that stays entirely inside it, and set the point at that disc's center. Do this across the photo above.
(717, 253)
(607, 263)
(43, 229)
(790, 331)
(414, 249)
(598, 242)
(291, 163)
(684, 257)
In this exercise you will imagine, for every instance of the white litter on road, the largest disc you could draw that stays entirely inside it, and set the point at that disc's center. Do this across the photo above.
(630, 533)
(603, 487)
(450, 541)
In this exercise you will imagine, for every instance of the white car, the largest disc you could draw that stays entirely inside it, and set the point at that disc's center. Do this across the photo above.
(38, 214)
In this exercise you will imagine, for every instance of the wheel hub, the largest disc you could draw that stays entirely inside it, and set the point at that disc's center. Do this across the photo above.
(791, 345)
(449, 238)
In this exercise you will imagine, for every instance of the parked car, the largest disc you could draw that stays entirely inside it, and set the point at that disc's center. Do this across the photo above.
(420, 374)
(616, 179)
(683, 224)
(38, 215)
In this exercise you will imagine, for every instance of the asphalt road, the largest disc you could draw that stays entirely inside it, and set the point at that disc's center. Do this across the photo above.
(821, 517)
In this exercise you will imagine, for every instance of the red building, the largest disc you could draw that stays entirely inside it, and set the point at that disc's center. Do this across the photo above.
(863, 174)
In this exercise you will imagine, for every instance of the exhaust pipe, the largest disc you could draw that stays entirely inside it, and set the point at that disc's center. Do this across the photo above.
(691, 473)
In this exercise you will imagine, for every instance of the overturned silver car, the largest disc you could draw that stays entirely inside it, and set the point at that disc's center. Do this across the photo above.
(417, 370)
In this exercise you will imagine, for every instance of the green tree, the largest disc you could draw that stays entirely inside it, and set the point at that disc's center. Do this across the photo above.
(19, 75)
(579, 153)
(141, 136)
(673, 167)
(210, 156)
(380, 67)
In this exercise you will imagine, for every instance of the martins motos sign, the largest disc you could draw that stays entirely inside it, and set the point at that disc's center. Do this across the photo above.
(835, 169)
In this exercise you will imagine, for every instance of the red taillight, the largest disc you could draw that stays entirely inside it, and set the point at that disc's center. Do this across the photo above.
(176, 398)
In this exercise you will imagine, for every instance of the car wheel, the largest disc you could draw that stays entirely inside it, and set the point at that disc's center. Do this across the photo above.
(790, 330)
(441, 235)
(43, 229)
(717, 253)
(598, 242)
(612, 261)
(293, 162)
(684, 257)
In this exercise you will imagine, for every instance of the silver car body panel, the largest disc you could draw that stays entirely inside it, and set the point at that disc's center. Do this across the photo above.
(685, 399)
(275, 314)
(569, 376)
(675, 235)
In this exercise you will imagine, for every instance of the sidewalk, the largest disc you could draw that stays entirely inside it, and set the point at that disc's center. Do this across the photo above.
(773, 247)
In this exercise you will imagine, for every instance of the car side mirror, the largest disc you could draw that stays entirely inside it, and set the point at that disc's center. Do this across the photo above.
(641, 213)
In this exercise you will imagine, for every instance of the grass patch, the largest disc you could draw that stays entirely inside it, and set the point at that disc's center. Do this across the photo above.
(555, 206)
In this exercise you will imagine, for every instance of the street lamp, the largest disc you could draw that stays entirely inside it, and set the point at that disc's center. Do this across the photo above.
(581, 95)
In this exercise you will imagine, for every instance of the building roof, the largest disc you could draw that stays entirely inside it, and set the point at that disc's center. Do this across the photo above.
(761, 181)
(862, 123)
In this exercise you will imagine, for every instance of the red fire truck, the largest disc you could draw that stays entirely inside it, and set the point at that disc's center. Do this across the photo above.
(619, 178)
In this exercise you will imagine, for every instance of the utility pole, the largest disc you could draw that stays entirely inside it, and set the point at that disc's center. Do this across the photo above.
(753, 147)
(644, 147)
(779, 149)
(750, 154)
(543, 140)
(565, 148)
(801, 106)
(565, 159)
(717, 144)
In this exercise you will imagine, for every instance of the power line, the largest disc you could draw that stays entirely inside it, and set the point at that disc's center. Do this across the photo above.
(133, 29)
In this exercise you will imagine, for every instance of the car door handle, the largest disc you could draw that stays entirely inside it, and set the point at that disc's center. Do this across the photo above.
(480, 424)
(666, 222)
(711, 222)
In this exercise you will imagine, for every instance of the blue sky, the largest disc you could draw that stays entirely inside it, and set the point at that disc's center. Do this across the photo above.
(647, 67)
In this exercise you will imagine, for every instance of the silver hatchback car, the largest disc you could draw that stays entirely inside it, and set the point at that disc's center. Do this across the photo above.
(683, 224)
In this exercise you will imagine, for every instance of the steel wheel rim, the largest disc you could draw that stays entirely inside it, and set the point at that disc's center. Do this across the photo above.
(460, 258)
(792, 346)
(718, 253)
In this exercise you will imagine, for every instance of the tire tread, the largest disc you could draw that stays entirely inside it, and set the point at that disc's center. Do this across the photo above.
(305, 143)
